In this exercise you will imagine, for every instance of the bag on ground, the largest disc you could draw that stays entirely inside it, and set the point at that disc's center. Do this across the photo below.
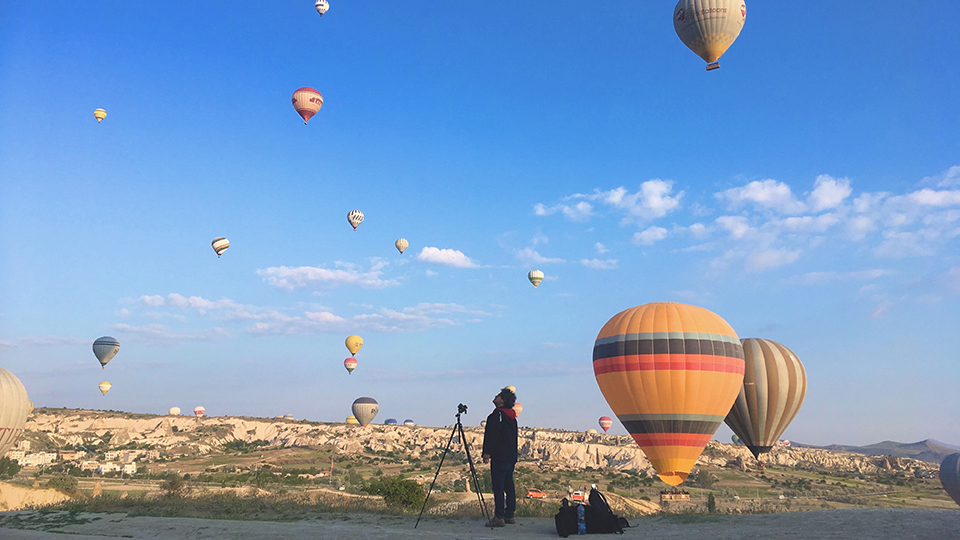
(566, 519)
(600, 518)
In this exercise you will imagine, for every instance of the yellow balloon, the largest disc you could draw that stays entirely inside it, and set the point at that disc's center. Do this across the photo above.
(105, 387)
(99, 114)
(353, 344)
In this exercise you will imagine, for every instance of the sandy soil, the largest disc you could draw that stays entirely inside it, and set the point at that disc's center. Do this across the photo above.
(13, 497)
(845, 524)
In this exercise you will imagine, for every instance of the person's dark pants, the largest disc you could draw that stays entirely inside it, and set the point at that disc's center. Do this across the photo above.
(501, 477)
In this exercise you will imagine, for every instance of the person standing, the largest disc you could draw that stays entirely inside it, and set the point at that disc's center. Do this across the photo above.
(500, 451)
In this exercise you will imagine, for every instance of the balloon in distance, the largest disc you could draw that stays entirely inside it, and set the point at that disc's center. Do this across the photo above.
(199, 411)
(100, 114)
(353, 344)
(592, 431)
(321, 6)
(949, 475)
(355, 218)
(307, 102)
(408, 422)
(14, 408)
(670, 372)
(709, 27)
(350, 364)
(365, 409)
(105, 348)
(605, 423)
(174, 411)
(105, 387)
(390, 422)
(220, 244)
(774, 385)
(402, 245)
(518, 407)
(351, 420)
(535, 277)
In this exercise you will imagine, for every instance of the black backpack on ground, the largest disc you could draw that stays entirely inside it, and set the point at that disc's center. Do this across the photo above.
(600, 518)
(566, 519)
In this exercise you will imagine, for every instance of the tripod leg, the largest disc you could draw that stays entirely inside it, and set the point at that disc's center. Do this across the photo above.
(449, 441)
(473, 472)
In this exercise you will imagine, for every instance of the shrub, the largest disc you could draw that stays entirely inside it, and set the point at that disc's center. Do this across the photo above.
(174, 487)
(64, 483)
(398, 492)
(8, 467)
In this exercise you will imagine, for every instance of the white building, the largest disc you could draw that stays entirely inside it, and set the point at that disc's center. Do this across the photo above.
(89, 465)
(111, 456)
(37, 459)
(129, 468)
(108, 467)
(15, 455)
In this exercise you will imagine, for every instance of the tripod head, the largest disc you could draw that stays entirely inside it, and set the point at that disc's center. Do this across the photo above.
(461, 409)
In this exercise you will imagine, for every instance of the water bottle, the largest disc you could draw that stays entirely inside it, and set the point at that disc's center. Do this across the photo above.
(581, 520)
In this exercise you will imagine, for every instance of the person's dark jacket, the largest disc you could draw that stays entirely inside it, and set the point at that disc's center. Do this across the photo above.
(500, 436)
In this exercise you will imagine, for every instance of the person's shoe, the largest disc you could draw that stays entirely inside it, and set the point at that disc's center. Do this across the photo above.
(509, 521)
(495, 522)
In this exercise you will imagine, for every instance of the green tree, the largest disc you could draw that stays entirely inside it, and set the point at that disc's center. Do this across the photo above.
(8, 467)
(398, 492)
(711, 504)
(174, 486)
(64, 483)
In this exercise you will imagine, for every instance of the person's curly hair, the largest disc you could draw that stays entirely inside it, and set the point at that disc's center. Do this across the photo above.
(508, 397)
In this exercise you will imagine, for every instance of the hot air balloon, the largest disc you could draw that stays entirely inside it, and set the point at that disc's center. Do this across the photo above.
(408, 422)
(390, 422)
(709, 27)
(100, 114)
(353, 344)
(670, 372)
(174, 411)
(350, 364)
(220, 244)
(14, 408)
(605, 423)
(535, 277)
(511, 388)
(351, 420)
(355, 217)
(105, 387)
(518, 407)
(199, 411)
(774, 385)
(105, 348)
(592, 431)
(365, 409)
(288, 417)
(735, 439)
(949, 475)
(401, 244)
(483, 423)
(322, 6)
(307, 101)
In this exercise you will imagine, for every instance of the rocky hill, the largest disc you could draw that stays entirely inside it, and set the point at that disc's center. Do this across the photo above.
(52, 429)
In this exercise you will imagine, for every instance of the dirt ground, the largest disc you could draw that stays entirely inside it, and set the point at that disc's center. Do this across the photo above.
(845, 524)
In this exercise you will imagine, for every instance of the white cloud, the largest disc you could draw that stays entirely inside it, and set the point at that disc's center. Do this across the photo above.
(902, 244)
(224, 309)
(579, 212)
(601, 249)
(448, 257)
(649, 236)
(828, 193)
(698, 230)
(155, 300)
(653, 200)
(930, 197)
(816, 224)
(539, 238)
(413, 319)
(51, 341)
(290, 278)
(815, 278)
(598, 264)
(531, 256)
(159, 332)
(123, 313)
(770, 258)
(948, 178)
(769, 194)
(737, 226)
(881, 308)
(859, 227)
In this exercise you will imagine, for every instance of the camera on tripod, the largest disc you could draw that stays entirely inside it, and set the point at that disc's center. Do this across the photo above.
(461, 409)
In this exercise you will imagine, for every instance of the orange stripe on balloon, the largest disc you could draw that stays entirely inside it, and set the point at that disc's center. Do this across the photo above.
(672, 439)
(649, 362)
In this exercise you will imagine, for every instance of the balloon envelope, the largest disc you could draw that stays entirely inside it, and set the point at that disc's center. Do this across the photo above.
(105, 348)
(321, 6)
(100, 114)
(401, 244)
(709, 27)
(174, 411)
(351, 420)
(350, 364)
(365, 409)
(220, 244)
(605, 423)
(408, 422)
(670, 372)
(307, 101)
(14, 408)
(949, 476)
(199, 411)
(353, 344)
(535, 277)
(104, 387)
(774, 385)
(390, 421)
(355, 218)
(518, 407)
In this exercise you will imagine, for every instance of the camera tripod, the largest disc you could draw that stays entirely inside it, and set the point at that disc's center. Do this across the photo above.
(457, 430)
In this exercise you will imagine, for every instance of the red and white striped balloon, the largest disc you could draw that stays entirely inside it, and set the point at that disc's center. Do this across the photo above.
(605, 423)
(307, 101)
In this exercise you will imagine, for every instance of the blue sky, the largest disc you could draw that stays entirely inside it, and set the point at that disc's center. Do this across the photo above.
(808, 192)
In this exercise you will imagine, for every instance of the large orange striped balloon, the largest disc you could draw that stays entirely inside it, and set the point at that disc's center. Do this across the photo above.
(670, 372)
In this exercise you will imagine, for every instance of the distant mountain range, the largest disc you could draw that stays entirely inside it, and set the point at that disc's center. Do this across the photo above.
(926, 450)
